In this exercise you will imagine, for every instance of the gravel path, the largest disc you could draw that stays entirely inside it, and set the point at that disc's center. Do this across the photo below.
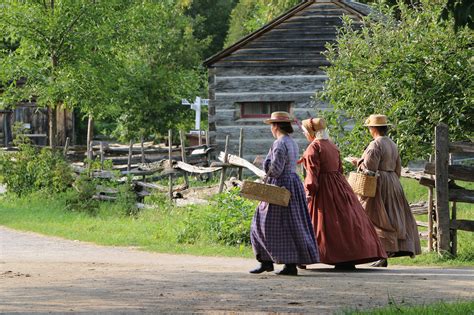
(41, 274)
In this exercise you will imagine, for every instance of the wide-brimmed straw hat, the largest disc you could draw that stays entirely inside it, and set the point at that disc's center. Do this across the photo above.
(376, 120)
(279, 117)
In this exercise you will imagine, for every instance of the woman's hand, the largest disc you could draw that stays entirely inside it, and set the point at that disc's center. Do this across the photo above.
(352, 160)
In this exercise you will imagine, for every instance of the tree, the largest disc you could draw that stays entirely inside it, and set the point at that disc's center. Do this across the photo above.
(126, 60)
(250, 15)
(160, 60)
(215, 18)
(60, 48)
(416, 70)
(463, 12)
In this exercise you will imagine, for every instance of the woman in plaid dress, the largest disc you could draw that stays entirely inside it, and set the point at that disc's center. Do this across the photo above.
(283, 235)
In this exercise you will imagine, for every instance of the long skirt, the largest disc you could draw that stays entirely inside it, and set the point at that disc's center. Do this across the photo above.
(284, 235)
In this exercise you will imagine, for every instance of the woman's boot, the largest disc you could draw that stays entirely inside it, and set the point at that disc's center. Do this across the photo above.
(288, 270)
(264, 266)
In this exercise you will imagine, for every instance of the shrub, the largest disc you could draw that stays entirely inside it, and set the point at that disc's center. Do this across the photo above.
(31, 170)
(226, 221)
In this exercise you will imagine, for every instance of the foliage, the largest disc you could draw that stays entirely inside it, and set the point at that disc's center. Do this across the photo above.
(31, 170)
(215, 16)
(80, 199)
(249, 15)
(463, 12)
(226, 221)
(416, 70)
(123, 60)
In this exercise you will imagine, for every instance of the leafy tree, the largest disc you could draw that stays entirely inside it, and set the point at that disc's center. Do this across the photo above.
(161, 62)
(131, 61)
(416, 70)
(62, 56)
(249, 15)
(463, 12)
(215, 17)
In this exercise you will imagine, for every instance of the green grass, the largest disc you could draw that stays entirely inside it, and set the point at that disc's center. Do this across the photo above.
(457, 308)
(415, 193)
(153, 229)
(159, 229)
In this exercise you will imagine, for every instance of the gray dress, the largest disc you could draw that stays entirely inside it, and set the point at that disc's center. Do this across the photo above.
(284, 235)
(389, 210)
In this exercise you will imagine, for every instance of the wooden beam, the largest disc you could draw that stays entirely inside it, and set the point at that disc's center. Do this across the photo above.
(464, 225)
(237, 161)
(461, 147)
(195, 169)
(460, 172)
(441, 182)
(461, 195)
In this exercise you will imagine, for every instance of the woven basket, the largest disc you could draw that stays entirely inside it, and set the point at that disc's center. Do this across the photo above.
(362, 184)
(265, 192)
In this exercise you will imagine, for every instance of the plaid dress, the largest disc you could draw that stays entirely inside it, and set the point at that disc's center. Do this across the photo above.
(284, 235)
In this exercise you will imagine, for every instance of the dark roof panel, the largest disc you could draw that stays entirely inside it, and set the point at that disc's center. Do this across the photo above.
(296, 38)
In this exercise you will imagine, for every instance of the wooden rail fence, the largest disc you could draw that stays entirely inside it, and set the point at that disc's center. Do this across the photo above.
(440, 177)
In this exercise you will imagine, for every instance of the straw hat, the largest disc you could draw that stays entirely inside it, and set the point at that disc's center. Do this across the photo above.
(315, 124)
(278, 117)
(376, 120)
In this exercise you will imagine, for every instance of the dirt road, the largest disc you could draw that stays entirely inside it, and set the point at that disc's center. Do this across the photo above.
(45, 274)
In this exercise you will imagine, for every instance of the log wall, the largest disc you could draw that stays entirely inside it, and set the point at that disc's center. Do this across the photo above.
(282, 62)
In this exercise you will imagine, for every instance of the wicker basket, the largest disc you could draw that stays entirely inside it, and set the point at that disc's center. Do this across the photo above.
(362, 184)
(265, 192)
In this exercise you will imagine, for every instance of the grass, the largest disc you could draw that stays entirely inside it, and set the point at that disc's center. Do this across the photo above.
(415, 193)
(153, 229)
(457, 308)
(159, 229)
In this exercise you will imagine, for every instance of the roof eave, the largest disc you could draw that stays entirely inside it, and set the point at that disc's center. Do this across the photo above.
(229, 50)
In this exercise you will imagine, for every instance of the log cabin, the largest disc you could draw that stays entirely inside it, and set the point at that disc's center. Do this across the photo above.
(279, 67)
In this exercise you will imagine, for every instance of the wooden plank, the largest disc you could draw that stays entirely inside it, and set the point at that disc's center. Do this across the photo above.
(461, 195)
(441, 182)
(269, 84)
(461, 147)
(237, 161)
(262, 71)
(464, 225)
(459, 172)
(160, 188)
(195, 169)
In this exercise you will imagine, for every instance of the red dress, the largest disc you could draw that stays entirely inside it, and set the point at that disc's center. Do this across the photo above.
(343, 230)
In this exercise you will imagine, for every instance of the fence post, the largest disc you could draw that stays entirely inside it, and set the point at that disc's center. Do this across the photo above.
(224, 167)
(453, 232)
(130, 152)
(430, 213)
(441, 187)
(170, 178)
(241, 150)
(101, 156)
(183, 155)
(66, 146)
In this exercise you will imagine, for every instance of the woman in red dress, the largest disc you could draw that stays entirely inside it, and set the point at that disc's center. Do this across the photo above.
(344, 233)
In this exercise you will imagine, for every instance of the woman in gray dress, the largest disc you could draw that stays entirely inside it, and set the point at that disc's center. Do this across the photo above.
(283, 235)
(388, 209)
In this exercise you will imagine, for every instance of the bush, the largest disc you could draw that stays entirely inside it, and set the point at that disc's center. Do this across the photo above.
(226, 221)
(31, 170)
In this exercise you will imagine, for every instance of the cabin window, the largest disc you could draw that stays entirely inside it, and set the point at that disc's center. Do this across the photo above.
(262, 109)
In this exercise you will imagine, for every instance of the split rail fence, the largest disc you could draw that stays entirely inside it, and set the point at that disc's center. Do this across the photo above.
(444, 194)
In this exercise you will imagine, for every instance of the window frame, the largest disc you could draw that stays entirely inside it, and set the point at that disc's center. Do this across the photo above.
(272, 104)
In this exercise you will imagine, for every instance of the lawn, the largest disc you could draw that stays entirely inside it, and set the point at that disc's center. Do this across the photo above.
(171, 229)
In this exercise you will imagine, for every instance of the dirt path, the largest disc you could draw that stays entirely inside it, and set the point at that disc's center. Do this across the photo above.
(45, 274)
